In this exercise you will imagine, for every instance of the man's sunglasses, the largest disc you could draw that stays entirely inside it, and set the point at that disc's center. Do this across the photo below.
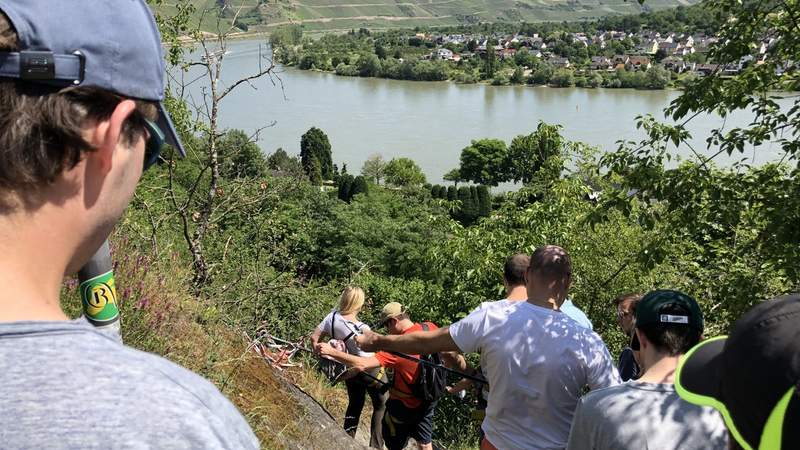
(154, 144)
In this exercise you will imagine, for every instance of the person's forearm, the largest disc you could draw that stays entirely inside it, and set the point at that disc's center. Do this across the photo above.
(421, 342)
(359, 363)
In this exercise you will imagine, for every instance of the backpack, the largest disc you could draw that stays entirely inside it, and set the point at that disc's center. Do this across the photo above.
(333, 370)
(432, 379)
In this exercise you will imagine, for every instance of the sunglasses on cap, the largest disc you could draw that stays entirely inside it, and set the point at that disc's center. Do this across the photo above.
(154, 144)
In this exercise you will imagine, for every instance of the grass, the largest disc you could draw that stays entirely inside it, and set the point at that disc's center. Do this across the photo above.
(162, 316)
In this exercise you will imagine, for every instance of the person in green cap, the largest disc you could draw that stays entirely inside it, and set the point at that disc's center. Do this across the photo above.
(647, 412)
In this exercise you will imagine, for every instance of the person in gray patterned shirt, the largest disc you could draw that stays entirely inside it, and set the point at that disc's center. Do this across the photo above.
(648, 413)
(81, 85)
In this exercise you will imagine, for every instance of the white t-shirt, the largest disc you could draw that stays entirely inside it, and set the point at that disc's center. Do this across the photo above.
(537, 362)
(339, 328)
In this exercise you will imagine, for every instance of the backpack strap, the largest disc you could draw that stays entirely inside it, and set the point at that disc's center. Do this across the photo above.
(333, 327)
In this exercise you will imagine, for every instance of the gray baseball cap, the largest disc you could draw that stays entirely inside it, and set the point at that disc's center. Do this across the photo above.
(111, 44)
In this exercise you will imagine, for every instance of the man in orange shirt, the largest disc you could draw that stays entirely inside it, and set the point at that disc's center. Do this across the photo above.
(406, 415)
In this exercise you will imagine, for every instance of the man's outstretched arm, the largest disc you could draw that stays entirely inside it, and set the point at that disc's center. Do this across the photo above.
(357, 362)
(420, 342)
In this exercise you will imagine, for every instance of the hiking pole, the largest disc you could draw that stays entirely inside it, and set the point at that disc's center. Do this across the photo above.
(441, 366)
(98, 291)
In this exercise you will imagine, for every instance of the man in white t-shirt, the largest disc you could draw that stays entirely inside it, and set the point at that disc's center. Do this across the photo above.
(536, 358)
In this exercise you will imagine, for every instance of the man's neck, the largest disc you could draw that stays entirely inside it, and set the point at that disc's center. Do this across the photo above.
(546, 300)
(517, 293)
(31, 269)
(661, 370)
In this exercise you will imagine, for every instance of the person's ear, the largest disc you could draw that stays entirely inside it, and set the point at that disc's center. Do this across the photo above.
(108, 133)
(643, 343)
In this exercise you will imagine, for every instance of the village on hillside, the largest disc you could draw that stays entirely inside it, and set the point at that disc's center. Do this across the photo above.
(676, 52)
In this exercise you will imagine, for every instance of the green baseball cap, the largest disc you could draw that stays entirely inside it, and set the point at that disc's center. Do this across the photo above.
(667, 307)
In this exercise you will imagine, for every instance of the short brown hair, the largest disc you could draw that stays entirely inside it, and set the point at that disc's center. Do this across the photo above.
(41, 126)
(514, 269)
(625, 298)
(552, 262)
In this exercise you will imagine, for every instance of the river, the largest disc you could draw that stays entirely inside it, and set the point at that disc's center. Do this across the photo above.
(430, 122)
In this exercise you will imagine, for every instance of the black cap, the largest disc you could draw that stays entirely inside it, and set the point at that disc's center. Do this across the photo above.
(659, 308)
(752, 377)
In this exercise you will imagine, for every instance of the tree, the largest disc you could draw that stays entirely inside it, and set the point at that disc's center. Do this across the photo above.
(345, 190)
(484, 201)
(528, 153)
(374, 168)
(404, 172)
(281, 161)
(656, 77)
(380, 52)
(453, 175)
(315, 174)
(240, 157)
(562, 78)
(451, 193)
(199, 203)
(360, 186)
(490, 62)
(518, 77)
(314, 146)
(466, 212)
(542, 74)
(484, 162)
(369, 66)
(738, 226)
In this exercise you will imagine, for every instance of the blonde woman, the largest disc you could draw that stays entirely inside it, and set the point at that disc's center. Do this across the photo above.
(342, 324)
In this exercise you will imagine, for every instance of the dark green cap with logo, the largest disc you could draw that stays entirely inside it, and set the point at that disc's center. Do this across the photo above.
(651, 309)
(667, 307)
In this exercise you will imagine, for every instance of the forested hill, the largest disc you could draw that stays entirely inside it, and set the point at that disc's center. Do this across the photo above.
(264, 15)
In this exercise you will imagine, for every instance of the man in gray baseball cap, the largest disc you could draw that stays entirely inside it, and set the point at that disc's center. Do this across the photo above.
(81, 85)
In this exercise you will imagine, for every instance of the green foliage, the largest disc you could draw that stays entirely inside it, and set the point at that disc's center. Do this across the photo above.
(451, 193)
(345, 188)
(541, 74)
(360, 186)
(656, 77)
(528, 153)
(490, 60)
(403, 172)
(453, 175)
(562, 78)
(484, 162)
(518, 77)
(374, 168)
(315, 151)
(369, 66)
(484, 201)
(282, 162)
(384, 232)
(240, 157)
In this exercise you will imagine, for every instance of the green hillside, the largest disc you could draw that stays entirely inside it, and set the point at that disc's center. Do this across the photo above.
(327, 15)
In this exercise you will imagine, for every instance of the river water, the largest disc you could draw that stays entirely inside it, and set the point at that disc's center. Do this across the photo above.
(430, 122)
